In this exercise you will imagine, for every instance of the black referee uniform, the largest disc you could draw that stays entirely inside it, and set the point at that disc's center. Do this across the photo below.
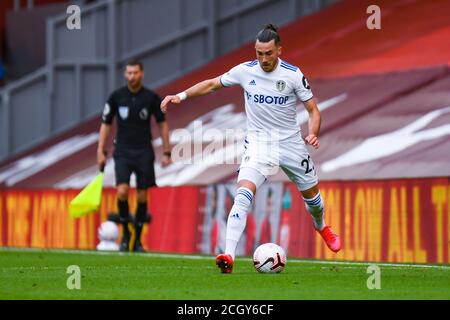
(133, 143)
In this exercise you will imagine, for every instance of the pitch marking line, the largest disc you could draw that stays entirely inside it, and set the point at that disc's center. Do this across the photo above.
(205, 257)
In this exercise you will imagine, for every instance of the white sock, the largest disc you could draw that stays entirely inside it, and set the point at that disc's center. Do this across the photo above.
(316, 209)
(237, 219)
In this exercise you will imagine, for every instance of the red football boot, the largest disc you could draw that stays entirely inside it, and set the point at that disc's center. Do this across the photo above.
(331, 239)
(225, 263)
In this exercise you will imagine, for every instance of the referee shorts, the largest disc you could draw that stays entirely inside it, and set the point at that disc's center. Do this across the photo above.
(140, 161)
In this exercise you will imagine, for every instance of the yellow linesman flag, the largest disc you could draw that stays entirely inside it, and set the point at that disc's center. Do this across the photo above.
(88, 200)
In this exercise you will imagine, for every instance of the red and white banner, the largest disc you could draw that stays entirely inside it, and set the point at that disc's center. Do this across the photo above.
(395, 220)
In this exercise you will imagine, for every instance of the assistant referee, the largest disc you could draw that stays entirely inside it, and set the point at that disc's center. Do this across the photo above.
(133, 105)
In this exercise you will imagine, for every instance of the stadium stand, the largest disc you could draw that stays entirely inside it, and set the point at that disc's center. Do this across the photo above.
(384, 163)
(369, 92)
(16, 45)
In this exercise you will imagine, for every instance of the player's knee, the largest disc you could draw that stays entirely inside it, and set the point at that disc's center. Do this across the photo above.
(250, 178)
(309, 193)
(142, 196)
(248, 185)
(122, 192)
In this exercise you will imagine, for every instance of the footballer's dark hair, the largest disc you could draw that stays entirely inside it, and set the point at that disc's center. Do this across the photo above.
(269, 33)
(133, 63)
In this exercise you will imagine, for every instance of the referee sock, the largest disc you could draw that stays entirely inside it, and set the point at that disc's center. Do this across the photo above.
(124, 216)
(316, 209)
(141, 214)
(237, 219)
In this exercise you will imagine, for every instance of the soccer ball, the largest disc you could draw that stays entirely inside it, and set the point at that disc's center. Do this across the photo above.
(108, 231)
(269, 258)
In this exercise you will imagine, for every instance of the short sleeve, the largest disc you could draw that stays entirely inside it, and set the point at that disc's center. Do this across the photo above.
(232, 77)
(157, 113)
(110, 110)
(302, 87)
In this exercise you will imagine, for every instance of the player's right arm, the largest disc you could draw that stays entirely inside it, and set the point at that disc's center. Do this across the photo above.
(105, 128)
(228, 79)
(200, 89)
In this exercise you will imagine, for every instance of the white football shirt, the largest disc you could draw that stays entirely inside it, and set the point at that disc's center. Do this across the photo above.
(270, 98)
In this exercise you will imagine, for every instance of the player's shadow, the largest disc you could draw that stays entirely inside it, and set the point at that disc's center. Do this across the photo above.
(114, 217)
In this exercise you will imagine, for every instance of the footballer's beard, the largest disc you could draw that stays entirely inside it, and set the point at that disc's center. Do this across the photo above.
(268, 67)
(134, 85)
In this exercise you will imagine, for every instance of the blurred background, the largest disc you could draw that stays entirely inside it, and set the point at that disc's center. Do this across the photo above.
(384, 94)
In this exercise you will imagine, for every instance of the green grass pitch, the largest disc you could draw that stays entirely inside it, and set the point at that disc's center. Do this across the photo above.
(42, 274)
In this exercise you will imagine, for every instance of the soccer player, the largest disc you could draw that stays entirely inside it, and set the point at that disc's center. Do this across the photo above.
(133, 105)
(273, 139)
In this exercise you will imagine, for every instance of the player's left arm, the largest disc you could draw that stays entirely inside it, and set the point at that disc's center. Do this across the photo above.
(313, 123)
(164, 132)
(304, 93)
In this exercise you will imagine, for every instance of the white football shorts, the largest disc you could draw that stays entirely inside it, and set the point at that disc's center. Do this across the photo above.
(291, 155)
